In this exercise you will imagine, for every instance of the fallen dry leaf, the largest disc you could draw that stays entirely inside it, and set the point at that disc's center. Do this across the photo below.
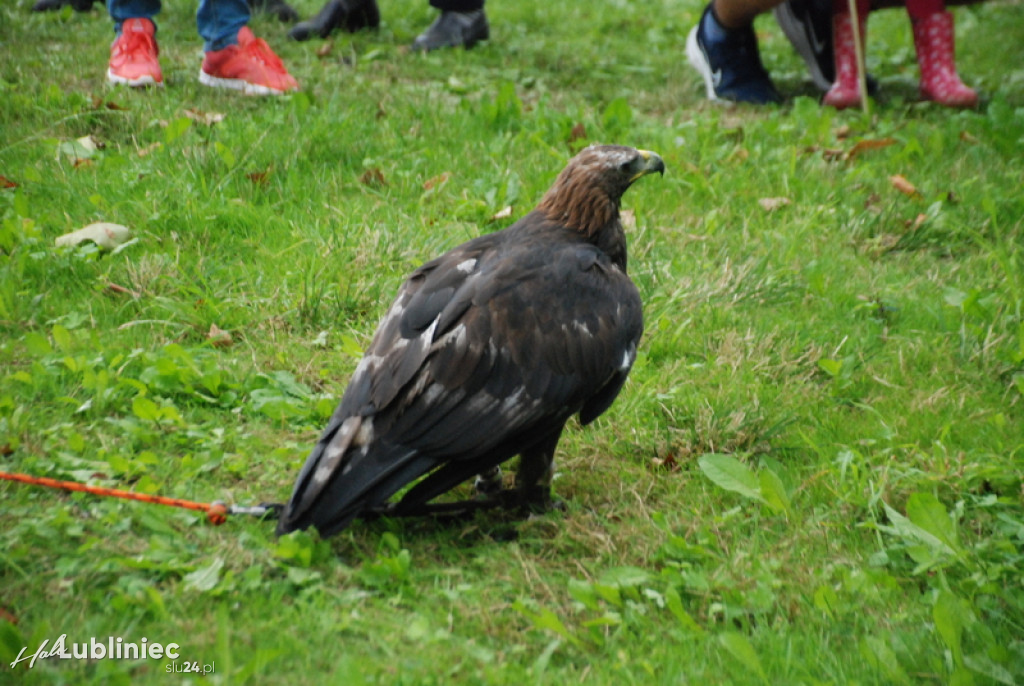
(436, 181)
(91, 143)
(861, 146)
(967, 138)
(325, 49)
(916, 224)
(503, 213)
(114, 288)
(7, 183)
(843, 131)
(100, 103)
(104, 234)
(149, 148)
(740, 155)
(772, 204)
(579, 131)
(832, 154)
(668, 462)
(218, 337)
(259, 178)
(900, 183)
(373, 177)
(208, 118)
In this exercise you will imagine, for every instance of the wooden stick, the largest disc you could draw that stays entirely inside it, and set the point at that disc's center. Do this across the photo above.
(858, 51)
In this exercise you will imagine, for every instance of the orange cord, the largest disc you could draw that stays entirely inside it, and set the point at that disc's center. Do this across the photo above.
(216, 513)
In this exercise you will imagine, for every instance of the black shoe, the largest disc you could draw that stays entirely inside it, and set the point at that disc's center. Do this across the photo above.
(731, 67)
(808, 26)
(279, 8)
(351, 15)
(453, 29)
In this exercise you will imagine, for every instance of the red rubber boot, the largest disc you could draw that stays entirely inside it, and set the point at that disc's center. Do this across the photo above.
(933, 40)
(845, 92)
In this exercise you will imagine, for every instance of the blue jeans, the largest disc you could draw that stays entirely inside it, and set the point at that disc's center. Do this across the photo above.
(218, 21)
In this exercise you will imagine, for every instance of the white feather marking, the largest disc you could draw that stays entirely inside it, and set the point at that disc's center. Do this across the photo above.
(581, 327)
(335, 450)
(481, 404)
(368, 363)
(459, 334)
(365, 434)
(432, 393)
(627, 360)
(466, 266)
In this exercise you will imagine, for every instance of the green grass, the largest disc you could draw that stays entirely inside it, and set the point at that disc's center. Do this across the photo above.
(813, 476)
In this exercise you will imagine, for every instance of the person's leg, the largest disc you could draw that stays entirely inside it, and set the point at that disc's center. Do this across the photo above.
(934, 41)
(886, 4)
(134, 53)
(278, 8)
(845, 92)
(462, 23)
(457, 5)
(724, 52)
(235, 59)
(219, 22)
(122, 10)
(738, 14)
(351, 15)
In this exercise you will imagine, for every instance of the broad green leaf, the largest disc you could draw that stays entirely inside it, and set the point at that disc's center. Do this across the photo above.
(881, 656)
(156, 602)
(910, 532)
(145, 409)
(61, 337)
(37, 344)
(675, 605)
(826, 600)
(830, 367)
(583, 593)
(547, 620)
(225, 154)
(739, 647)
(949, 615)
(176, 128)
(609, 594)
(731, 474)
(926, 512)
(982, 664)
(625, 576)
(205, 578)
(773, 491)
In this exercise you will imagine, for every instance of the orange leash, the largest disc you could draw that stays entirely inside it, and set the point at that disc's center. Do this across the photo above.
(216, 512)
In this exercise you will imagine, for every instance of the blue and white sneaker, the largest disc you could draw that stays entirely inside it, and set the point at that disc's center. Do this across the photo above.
(729, 63)
(808, 26)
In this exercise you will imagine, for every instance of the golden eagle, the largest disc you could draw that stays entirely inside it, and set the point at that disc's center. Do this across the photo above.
(485, 354)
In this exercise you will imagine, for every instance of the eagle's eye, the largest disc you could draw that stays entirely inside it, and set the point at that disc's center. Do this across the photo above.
(628, 166)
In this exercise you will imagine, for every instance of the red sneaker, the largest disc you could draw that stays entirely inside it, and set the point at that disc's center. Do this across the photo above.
(133, 55)
(250, 67)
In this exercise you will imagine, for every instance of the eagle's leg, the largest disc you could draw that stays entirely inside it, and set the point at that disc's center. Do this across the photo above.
(533, 478)
(488, 483)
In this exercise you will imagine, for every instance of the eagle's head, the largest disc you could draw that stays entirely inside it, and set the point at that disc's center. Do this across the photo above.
(585, 197)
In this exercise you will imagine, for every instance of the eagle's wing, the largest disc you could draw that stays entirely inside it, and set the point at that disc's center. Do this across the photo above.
(486, 349)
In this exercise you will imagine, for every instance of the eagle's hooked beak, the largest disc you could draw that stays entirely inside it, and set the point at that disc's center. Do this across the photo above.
(652, 163)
